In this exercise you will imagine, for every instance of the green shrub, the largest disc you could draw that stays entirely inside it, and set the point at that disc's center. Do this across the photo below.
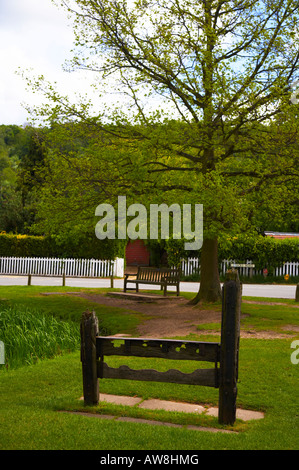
(86, 247)
(264, 252)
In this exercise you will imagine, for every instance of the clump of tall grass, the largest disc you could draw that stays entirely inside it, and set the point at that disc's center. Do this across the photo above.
(30, 335)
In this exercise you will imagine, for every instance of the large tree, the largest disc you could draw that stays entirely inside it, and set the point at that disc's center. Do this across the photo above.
(222, 70)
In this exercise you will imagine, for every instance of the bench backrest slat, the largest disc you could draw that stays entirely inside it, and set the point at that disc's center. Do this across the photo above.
(155, 275)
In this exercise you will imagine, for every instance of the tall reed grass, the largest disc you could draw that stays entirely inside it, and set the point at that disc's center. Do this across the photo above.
(30, 335)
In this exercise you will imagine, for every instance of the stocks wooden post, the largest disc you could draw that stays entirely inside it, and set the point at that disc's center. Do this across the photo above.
(89, 331)
(229, 355)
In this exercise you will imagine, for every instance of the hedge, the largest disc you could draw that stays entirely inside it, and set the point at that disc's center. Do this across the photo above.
(264, 252)
(23, 245)
(49, 247)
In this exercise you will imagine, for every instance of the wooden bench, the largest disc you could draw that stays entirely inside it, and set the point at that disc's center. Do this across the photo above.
(154, 276)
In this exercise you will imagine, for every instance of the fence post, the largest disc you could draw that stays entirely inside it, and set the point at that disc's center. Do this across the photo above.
(119, 267)
(229, 355)
(89, 330)
(297, 294)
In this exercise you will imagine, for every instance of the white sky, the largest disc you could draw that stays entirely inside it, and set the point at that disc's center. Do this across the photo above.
(37, 35)
(34, 34)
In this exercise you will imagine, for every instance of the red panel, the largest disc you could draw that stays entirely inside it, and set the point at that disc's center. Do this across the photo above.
(137, 253)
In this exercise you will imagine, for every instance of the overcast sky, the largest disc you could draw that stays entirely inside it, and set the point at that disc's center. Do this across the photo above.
(33, 34)
(37, 35)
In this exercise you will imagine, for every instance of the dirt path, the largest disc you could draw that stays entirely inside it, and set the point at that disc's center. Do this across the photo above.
(173, 317)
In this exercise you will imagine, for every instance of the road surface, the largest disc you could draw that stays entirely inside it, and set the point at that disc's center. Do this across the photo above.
(253, 290)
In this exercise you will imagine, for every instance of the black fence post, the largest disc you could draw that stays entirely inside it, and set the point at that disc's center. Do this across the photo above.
(89, 331)
(229, 355)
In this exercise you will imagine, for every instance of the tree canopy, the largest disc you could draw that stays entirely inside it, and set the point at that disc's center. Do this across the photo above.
(223, 133)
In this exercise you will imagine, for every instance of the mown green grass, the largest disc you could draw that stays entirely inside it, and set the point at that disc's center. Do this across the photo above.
(70, 307)
(33, 396)
(265, 315)
(269, 317)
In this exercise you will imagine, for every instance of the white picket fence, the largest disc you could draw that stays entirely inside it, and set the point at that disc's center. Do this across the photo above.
(192, 266)
(58, 266)
(107, 268)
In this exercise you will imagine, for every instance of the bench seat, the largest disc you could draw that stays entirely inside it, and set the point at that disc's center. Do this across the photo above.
(153, 276)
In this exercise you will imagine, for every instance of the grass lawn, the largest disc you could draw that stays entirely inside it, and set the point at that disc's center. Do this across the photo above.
(32, 396)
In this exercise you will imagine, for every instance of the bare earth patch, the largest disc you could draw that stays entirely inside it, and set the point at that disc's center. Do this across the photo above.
(173, 317)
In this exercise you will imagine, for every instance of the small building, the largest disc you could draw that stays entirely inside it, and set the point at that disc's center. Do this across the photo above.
(137, 253)
(281, 235)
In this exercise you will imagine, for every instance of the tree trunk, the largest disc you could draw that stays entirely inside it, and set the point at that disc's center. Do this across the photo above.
(210, 289)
